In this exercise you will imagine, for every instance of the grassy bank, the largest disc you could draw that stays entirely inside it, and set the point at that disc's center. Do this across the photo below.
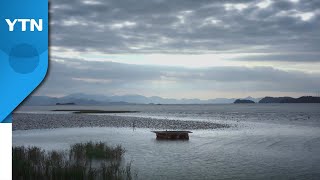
(87, 161)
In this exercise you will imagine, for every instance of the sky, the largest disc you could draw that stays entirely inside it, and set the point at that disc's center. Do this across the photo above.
(184, 48)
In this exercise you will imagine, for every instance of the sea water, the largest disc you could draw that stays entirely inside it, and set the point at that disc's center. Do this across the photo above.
(266, 141)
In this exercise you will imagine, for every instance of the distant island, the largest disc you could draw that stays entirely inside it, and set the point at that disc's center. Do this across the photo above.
(61, 104)
(303, 99)
(243, 101)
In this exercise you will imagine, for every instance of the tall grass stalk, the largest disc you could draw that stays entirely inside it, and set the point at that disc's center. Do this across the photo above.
(85, 161)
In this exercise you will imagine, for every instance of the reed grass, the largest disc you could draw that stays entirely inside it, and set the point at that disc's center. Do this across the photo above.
(85, 161)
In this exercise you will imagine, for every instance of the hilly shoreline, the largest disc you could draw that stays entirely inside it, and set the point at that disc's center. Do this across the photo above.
(100, 100)
(303, 99)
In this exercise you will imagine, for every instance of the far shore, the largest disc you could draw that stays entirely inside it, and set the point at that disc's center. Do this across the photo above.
(85, 111)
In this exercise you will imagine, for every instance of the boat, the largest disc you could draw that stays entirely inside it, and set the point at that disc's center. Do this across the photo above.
(172, 135)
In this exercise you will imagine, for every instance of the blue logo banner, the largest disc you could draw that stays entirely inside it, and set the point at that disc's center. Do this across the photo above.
(23, 51)
(8, 119)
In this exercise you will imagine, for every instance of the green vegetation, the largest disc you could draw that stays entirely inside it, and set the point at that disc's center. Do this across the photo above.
(94, 111)
(86, 161)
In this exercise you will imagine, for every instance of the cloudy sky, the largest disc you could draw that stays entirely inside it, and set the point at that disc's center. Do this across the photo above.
(184, 48)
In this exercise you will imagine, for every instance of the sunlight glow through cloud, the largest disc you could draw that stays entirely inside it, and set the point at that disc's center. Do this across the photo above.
(264, 4)
(305, 16)
(123, 25)
(238, 7)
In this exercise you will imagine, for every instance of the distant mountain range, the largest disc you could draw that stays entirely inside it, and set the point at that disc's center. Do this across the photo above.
(88, 99)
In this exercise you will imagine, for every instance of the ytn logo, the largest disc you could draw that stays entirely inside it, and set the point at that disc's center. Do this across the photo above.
(24, 22)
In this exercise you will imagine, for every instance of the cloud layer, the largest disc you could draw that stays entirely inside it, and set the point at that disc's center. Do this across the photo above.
(289, 28)
(268, 47)
(68, 76)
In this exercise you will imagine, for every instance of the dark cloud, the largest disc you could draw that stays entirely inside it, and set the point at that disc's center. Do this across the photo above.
(186, 26)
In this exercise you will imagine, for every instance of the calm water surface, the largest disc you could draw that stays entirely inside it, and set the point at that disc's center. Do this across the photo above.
(273, 141)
